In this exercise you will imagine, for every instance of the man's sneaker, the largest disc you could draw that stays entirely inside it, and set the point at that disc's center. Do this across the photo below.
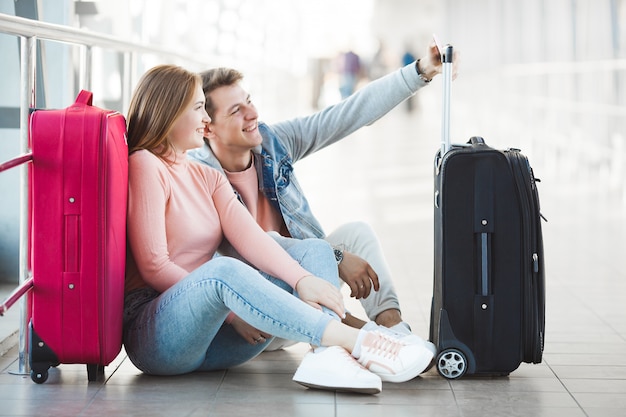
(401, 328)
(333, 368)
(391, 358)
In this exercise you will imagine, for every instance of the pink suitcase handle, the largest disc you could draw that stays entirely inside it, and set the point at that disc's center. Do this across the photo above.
(16, 161)
(84, 97)
(16, 295)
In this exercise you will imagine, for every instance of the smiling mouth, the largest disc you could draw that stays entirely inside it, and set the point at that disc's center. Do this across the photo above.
(251, 128)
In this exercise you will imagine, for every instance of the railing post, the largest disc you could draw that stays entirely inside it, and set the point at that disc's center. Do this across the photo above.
(27, 101)
(85, 80)
(127, 79)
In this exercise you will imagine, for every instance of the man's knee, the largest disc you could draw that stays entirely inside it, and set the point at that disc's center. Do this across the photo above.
(356, 229)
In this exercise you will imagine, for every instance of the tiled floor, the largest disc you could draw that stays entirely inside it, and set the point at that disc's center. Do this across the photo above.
(383, 175)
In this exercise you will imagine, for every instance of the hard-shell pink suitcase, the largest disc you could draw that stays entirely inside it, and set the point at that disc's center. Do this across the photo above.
(78, 185)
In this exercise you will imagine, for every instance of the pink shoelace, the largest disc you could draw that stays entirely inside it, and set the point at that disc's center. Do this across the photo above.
(382, 345)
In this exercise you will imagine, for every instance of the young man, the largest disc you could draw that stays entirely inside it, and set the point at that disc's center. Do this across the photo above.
(257, 159)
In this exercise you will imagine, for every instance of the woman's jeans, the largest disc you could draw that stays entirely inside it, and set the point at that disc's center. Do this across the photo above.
(183, 330)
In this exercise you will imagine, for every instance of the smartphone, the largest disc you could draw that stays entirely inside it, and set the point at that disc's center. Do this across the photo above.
(439, 46)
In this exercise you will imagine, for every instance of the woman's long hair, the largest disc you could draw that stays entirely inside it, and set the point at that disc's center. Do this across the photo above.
(161, 95)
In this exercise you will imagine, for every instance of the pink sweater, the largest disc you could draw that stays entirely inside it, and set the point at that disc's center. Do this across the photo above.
(178, 215)
(246, 183)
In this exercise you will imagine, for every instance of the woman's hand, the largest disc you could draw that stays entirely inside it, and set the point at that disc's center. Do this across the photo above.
(317, 293)
(250, 334)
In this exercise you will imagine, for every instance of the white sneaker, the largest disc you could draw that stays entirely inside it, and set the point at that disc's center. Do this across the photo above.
(391, 358)
(400, 331)
(403, 328)
(333, 368)
(431, 346)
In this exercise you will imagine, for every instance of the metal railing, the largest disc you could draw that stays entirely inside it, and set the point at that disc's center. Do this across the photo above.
(30, 31)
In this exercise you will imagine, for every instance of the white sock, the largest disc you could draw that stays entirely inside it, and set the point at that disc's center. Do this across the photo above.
(356, 352)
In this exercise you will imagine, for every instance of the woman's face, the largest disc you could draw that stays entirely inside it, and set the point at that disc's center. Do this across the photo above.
(191, 126)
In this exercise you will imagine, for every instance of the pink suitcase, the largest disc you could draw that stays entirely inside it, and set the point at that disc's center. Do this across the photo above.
(78, 191)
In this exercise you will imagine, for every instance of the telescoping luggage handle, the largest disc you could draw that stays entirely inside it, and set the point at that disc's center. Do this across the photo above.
(446, 61)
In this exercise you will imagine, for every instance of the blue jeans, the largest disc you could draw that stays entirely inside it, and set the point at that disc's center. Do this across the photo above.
(183, 330)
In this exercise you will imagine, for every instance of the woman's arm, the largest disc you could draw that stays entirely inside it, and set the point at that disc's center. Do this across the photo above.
(147, 196)
(247, 237)
(266, 254)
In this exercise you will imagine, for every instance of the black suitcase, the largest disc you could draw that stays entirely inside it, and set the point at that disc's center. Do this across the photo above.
(488, 306)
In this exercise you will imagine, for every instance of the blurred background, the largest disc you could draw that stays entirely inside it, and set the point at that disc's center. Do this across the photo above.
(547, 76)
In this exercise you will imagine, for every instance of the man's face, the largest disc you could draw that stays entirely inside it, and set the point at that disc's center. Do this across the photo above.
(234, 125)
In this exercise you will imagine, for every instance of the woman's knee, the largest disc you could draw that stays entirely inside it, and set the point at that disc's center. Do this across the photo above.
(318, 246)
(312, 249)
(221, 268)
(217, 273)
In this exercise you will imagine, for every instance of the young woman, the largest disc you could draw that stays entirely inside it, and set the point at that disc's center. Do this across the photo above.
(188, 311)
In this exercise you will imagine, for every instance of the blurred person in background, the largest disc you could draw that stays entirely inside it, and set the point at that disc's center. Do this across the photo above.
(349, 69)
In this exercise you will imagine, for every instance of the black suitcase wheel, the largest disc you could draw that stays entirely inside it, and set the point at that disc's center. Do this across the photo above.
(94, 371)
(39, 377)
(451, 364)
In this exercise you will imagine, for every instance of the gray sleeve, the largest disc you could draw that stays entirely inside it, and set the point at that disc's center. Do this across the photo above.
(306, 135)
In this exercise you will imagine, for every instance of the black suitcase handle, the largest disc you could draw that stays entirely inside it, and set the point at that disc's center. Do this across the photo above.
(446, 61)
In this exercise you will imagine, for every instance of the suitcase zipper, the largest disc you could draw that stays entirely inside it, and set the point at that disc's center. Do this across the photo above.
(526, 187)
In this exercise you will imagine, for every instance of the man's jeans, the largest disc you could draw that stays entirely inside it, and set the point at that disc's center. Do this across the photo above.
(360, 239)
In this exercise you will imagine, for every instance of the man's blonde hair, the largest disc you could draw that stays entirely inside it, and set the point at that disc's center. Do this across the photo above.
(215, 78)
